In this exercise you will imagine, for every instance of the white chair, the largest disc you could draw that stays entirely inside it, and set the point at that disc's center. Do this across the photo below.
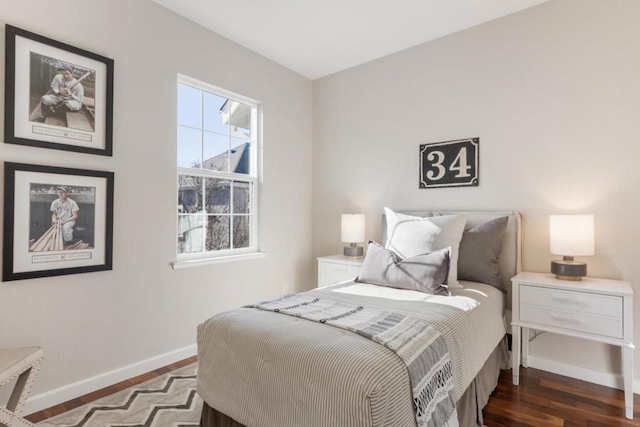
(23, 364)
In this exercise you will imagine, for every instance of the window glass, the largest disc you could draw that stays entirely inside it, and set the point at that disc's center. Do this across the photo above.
(240, 156)
(217, 193)
(241, 197)
(189, 194)
(216, 152)
(189, 106)
(218, 236)
(214, 115)
(241, 231)
(217, 171)
(189, 147)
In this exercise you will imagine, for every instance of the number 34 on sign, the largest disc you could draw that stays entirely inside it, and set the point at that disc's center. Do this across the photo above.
(450, 163)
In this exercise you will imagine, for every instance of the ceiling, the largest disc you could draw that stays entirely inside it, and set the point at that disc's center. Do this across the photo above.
(320, 37)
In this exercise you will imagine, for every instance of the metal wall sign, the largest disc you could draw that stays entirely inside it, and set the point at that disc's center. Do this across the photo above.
(450, 163)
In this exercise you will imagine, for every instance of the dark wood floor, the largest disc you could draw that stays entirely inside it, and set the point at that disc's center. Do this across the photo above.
(542, 399)
(545, 399)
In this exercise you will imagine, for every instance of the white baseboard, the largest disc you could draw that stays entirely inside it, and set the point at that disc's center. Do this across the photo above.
(607, 379)
(71, 391)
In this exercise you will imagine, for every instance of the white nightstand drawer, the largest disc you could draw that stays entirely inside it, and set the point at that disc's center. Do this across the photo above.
(604, 326)
(335, 273)
(572, 301)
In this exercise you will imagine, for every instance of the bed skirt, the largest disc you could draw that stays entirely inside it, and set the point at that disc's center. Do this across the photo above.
(469, 406)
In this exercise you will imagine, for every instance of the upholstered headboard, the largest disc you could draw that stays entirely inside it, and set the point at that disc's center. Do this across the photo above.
(510, 260)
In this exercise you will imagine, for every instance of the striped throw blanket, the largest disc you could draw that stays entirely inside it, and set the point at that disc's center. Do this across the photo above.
(418, 345)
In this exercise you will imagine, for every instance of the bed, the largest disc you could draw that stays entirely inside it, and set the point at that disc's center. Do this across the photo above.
(262, 368)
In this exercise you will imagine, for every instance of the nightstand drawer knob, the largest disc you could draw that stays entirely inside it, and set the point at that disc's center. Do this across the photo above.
(568, 300)
(565, 318)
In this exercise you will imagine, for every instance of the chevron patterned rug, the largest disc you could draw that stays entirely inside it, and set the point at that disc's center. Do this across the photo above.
(169, 400)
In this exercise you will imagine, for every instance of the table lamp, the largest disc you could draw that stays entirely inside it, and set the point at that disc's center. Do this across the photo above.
(571, 235)
(353, 232)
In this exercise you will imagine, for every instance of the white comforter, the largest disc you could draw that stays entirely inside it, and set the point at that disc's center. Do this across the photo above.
(269, 369)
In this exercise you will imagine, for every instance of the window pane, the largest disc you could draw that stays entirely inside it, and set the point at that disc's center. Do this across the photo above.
(217, 233)
(216, 152)
(241, 197)
(189, 194)
(214, 117)
(190, 233)
(189, 147)
(241, 231)
(239, 157)
(240, 120)
(189, 106)
(217, 195)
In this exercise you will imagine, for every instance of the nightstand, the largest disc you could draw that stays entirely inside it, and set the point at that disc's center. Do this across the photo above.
(337, 268)
(594, 309)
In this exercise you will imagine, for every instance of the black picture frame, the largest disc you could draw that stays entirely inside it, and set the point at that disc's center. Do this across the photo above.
(36, 115)
(450, 164)
(34, 244)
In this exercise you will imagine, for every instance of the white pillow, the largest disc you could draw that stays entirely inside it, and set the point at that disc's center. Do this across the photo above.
(409, 235)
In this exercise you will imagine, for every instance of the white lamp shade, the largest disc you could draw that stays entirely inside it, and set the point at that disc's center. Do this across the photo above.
(353, 228)
(571, 235)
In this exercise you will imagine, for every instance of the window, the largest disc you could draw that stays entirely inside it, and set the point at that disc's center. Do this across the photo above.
(217, 147)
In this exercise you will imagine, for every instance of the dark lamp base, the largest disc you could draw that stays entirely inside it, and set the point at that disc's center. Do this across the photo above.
(353, 251)
(569, 270)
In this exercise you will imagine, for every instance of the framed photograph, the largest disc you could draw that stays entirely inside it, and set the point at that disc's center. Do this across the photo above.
(56, 95)
(56, 221)
(450, 164)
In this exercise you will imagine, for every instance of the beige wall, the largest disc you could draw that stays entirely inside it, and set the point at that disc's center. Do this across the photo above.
(553, 92)
(91, 324)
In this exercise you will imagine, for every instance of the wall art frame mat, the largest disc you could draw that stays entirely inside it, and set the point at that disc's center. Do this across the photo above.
(41, 235)
(57, 95)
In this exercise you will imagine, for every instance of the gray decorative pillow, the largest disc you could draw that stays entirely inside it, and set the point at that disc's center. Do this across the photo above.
(409, 235)
(480, 248)
(424, 273)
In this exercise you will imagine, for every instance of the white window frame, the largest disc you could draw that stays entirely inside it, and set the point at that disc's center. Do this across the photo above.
(254, 178)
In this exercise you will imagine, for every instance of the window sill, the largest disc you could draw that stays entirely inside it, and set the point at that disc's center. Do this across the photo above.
(217, 260)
